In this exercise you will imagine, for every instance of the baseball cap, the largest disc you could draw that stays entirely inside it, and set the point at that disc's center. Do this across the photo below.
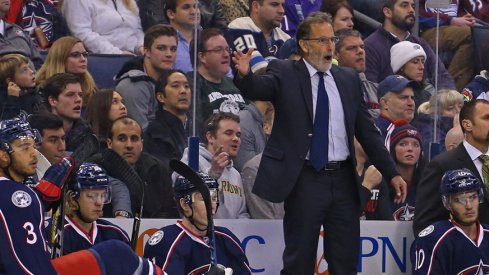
(395, 84)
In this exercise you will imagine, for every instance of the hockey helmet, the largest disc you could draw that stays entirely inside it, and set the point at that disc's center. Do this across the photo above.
(16, 128)
(459, 181)
(184, 188)
(91, 176)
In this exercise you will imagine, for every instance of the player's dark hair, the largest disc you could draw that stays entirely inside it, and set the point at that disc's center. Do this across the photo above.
(304, 28)
(212, 123)
(202, 39)
(467, 111)
(151, 34)
(56, 84)
(163, 81)
(45, 120)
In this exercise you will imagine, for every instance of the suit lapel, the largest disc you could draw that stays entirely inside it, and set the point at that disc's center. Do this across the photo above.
(466, 161)
(305, 84)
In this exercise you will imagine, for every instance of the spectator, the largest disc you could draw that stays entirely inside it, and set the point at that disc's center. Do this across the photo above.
(396, 99)
(260, 30)
(53, 144)
(212, 15)
(408, 59)
(350, 52)
(14, 40)
(135, 81)
(104, 107)
(85, 199)
(479, 86)
(341, 11)
(233, 9)
(406, 150)
(253, 136)
(454, 36)
(17, 82)
(216, 156)
(295, 12)
(62, 95)
(166, 136)
(399, 18)
(449, 104)
(454, 137)
(107, 27)
(68, 55)
(126, 140)
(469, 155)
(184, 16)
(258, 207)
(217, 91)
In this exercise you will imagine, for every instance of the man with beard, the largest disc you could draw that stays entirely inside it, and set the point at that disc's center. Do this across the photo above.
(459, 245)
(308, 160)
(260, 31)
(472, 153)
(399, 17)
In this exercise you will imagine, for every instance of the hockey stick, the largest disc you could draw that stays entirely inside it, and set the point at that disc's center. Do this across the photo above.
(119, 168)
(187, 172)
(57, 226)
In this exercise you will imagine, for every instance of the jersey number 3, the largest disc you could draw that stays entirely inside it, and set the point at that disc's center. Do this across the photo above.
(31, 235)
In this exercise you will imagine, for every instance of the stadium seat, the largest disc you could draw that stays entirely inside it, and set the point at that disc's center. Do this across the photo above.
(103, 68)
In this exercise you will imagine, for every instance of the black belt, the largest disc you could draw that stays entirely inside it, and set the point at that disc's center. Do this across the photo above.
(333, 165)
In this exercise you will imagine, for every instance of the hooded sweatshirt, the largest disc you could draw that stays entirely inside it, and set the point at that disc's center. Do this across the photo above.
(230, 186)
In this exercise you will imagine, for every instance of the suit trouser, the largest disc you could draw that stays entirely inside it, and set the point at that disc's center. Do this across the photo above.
(328, 198)
(458, 40)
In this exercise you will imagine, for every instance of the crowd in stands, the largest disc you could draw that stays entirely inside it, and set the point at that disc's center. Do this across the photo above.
(144, 121)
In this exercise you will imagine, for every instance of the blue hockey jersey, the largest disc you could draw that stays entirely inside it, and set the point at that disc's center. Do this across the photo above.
(75, 238)
(443, 248)
(23, 249)
(242, 34)
(179, 251)
(295, 12)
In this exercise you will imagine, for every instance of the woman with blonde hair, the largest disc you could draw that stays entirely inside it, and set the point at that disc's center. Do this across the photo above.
(449, 104)
(105, 26)
(68, 55)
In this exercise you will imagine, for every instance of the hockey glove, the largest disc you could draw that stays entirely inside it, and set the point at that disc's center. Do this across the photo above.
(54, 179)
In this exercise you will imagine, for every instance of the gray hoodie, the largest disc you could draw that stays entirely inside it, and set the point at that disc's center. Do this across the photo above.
(230, 184)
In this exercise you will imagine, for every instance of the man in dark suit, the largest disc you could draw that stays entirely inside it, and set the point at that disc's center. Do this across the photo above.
(474, 120)
(315, 195)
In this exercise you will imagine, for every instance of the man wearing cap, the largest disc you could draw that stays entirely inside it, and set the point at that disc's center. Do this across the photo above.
(396, 99)
(471, 154)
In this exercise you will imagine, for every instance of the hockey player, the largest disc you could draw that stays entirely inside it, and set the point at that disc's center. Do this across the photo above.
(459, 245)
(183, 248)
(22, 241)
(86, 197)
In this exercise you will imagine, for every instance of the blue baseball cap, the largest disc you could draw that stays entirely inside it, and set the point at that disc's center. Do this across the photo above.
(394, 84)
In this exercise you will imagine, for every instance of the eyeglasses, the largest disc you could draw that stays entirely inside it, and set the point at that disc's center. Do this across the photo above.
(220, 50)
(323, 40)
(78, 54)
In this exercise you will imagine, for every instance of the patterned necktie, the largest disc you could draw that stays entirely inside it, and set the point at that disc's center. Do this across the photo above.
(319, 145)
(485, 170)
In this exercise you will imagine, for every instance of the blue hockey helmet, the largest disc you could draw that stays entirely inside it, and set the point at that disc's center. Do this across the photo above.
(16, 128)
(184, 188)
(459, 181)
(91, 176)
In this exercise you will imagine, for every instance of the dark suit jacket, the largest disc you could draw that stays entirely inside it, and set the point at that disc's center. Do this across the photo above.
(429, 207)
(287, 85)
